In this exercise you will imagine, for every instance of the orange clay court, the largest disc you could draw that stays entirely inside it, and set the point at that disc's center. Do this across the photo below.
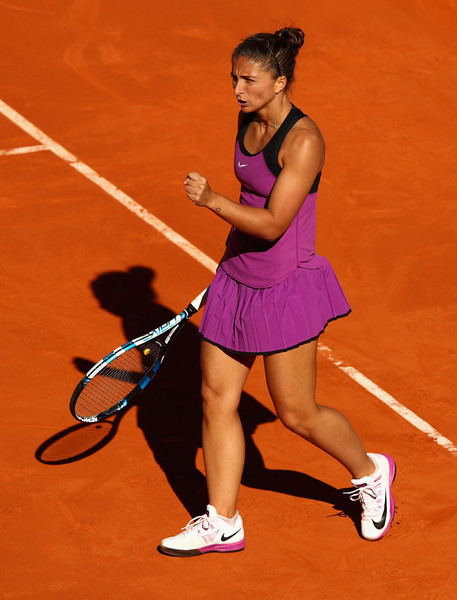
(104, 104)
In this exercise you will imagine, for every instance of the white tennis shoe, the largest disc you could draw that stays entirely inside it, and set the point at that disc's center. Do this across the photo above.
(208, 533)
(375, 495)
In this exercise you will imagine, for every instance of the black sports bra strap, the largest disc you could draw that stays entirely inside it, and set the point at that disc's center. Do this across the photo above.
(271, 150)
(245, 124)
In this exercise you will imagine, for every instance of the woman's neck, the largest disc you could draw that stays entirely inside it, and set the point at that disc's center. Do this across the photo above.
(271, 117)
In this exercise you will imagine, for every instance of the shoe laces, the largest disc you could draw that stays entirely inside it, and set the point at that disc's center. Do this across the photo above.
(369, 495)
(203, 522)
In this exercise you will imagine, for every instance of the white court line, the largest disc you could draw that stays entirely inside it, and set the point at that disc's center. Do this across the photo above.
(207, 262)
(389, 400)
(106, 186)
(22, 150)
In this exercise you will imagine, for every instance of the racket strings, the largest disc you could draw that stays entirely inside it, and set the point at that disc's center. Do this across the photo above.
(118, 379)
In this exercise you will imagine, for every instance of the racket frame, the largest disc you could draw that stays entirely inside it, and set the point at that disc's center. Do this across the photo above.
(174, 325)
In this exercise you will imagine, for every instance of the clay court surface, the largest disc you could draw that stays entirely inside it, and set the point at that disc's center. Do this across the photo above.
(138, 93)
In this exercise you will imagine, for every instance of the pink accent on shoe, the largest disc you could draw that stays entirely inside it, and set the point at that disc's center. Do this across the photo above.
(392, 471)
(234, 547)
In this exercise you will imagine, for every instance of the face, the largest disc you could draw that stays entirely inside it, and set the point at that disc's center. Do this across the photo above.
(253, 85)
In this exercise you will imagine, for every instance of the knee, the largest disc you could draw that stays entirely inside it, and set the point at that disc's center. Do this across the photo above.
(300, 422)
(216, 404)
(209, 398)
(290, 419)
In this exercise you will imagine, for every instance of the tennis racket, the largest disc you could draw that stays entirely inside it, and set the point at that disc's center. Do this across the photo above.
(112, 384)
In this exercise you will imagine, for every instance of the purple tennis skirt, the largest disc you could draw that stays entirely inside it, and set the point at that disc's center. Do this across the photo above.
(239, 318)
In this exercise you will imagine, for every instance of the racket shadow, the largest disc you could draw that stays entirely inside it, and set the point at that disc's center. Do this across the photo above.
(77, 442)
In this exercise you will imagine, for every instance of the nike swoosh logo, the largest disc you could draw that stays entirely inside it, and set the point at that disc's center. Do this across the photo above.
(380, 524)
(240, 165)
(224, 538)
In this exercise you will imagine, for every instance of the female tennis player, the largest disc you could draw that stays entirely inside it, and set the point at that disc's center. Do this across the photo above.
(272, 296)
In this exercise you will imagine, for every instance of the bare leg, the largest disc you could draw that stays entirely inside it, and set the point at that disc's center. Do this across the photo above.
(223, 378)
(291, 379)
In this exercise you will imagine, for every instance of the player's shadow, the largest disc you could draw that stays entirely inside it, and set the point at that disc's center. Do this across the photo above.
(169, 409)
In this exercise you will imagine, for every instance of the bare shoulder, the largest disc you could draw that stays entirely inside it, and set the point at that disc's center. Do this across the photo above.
(305, 136)
(303, 146)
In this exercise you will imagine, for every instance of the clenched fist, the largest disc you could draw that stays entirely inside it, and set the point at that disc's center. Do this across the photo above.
(198, 189)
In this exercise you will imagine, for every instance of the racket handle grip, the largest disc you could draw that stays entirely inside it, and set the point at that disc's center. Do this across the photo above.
(197, 302)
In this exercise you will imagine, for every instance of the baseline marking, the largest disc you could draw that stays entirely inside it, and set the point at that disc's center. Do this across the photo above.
(23, 150)
(47, 143)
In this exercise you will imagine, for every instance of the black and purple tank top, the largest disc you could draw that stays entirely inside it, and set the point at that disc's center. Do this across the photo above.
(251, 260)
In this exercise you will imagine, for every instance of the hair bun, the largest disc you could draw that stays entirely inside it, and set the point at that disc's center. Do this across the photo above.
(294, 36)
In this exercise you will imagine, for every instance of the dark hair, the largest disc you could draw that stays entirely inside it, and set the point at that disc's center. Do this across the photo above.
(277, 51)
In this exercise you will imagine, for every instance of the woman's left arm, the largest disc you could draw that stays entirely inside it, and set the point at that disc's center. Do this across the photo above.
(302, 159)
